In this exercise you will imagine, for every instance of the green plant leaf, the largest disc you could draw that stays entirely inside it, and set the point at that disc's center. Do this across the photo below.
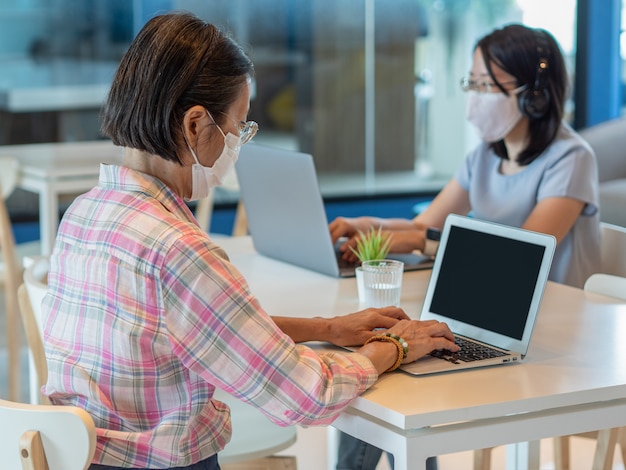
(372, 245)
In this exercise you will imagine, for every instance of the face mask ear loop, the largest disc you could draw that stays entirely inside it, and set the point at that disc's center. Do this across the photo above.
(193, 154)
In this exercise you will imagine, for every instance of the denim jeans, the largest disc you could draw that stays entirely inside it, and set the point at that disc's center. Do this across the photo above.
(355, 454)
(207, 464)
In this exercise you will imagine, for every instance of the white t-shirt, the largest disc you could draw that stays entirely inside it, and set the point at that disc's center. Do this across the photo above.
(567, 168)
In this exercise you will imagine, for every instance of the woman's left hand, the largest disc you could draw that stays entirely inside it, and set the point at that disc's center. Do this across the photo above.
(355, 328)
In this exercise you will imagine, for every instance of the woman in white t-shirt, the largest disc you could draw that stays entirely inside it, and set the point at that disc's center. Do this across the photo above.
(531, 170)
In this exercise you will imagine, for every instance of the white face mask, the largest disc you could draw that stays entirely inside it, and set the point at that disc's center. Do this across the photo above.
(493, 114)
(205, 178)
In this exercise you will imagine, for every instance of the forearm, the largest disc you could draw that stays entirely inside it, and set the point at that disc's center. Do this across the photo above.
(405, 241)
(304, 329)
(382, 355)
(391, 224)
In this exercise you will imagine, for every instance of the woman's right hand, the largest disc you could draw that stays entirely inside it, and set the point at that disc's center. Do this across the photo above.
(348, 227)
(422, 338)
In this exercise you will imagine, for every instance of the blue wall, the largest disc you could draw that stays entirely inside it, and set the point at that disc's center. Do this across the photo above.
(223, 217)
(598, 93)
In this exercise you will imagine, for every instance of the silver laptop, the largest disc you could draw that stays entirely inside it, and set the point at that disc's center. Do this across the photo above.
(487, 284)
(286, 215)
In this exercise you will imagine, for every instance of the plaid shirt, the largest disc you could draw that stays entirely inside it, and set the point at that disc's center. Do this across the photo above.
(145, 316)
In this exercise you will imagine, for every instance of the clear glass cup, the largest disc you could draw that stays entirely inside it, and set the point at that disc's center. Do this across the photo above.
(382, 282)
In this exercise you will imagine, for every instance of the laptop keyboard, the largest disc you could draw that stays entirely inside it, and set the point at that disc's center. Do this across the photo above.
(469, 352)
(345, 264)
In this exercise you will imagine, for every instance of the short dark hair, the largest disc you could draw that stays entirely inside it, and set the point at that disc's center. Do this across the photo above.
(518, 50)
(176, 61)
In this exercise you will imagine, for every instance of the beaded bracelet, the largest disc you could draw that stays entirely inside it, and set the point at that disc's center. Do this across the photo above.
(405, 345)
(402, 345)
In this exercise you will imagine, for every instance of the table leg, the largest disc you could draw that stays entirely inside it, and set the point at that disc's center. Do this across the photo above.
(332, 447)
(523, 455)
(404, 450)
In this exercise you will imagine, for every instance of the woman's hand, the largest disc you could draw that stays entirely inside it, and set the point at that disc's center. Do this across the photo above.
(356, 328)
(347, 330)
(348, 227)
(404, 235)
(422, 338)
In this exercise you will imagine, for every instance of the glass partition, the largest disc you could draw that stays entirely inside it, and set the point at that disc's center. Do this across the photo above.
(368, 87)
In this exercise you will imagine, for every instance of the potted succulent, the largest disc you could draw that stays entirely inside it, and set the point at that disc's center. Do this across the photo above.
(370, 246)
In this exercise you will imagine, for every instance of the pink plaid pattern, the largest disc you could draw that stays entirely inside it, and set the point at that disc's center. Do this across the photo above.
(145, 316)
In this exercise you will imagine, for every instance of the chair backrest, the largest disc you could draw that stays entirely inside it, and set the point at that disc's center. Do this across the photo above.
(64, 437)
(10, 272)
(613, 249)
(38, 370)
(608, 140)
(9, 167)
(42, 437)
(36, 282)
(30, 296)
(9, 268)
(607, 284)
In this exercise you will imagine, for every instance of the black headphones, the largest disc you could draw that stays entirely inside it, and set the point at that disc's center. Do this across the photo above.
(534, 102)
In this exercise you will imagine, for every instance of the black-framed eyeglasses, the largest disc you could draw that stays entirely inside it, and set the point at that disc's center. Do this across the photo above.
(482, 86)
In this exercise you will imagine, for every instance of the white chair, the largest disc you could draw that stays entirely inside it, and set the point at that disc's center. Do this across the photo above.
(11, 272)
(610, 282)
(255, 439)
(49, 437)
(608, 140)
(30, 296)
(607, 284)
(42, 437)
(613, 249)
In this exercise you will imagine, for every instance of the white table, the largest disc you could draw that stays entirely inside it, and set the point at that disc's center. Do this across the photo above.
(28, 85)
(63, 85)
(572, 380)
(52, 170)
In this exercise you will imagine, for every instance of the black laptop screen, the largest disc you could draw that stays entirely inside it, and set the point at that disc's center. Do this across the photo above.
(487, 281)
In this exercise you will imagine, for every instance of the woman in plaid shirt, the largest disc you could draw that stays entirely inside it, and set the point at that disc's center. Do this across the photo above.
(145, 315)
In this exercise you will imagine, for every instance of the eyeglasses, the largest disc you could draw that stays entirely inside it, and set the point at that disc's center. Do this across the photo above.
(482, 86)
(247, 129)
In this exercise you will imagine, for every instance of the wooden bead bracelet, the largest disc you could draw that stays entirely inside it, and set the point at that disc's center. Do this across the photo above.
(402, 345)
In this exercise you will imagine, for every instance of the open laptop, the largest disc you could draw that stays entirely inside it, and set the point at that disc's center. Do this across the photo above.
(487, 284)
(286, 215)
